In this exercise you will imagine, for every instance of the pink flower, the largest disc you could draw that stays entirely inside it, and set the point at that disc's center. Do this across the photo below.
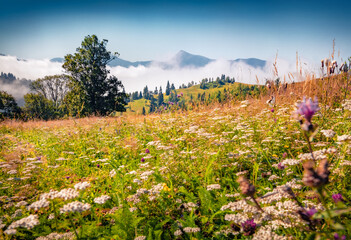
(249, 227)
(308, 108)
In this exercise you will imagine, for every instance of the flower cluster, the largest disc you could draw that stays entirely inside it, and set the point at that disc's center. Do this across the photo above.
(81, 186)
(28, 222)
(54, 236)
(101, 200)
(42, 203)
(75, 207)
(249, 227)
(66, 194)
(213, 187)
(191, 229)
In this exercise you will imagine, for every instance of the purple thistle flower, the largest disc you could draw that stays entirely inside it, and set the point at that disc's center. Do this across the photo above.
(281, 166)
(272, 110)
(337, 237)
(142, 160)
(337, 197)
(98, 165)
(249, 227)
(308, 108)
(147, 150)
(311, 212)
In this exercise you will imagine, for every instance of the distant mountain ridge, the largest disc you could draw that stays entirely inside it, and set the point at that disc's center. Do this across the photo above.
(182, 59)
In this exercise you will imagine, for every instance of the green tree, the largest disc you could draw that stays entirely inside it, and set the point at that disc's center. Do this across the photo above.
(153, 104)
(144, 112)
(100, 93)
(168, 88)
(53, 88)
(38, 107)
(160, 98)
(8, 105)
(146, 93)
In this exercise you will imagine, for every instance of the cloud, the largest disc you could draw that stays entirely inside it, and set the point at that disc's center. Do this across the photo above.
(155, 75)
(29, 69)
(135, 78)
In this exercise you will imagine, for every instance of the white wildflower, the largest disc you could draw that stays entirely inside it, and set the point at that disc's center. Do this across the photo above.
(140, 238)
(81, 185)
(344, 138)
(191, 229)
(113, 173)
(27, 222)
(101, 200)
(42, 203)
(328, 133)
(75, 207)
(178, 232)
(213, 187)
(10, 231)
(55, 236)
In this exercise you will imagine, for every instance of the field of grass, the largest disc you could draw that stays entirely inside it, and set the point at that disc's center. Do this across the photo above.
(175, 175)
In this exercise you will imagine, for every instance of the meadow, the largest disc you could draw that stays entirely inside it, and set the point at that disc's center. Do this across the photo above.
(236, 170)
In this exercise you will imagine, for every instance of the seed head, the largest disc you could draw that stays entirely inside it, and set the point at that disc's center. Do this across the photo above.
(246, 187)
(314, 178)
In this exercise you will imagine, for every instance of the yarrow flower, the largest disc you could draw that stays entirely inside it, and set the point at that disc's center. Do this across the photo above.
(81, 185)
(112, 173)
(213, 187)
(191, 229)
(27, 222)
(102, 199)
(75, 207)
(249, 227)
(42, 203)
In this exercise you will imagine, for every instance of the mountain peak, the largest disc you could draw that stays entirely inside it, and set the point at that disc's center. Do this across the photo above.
(185, 59)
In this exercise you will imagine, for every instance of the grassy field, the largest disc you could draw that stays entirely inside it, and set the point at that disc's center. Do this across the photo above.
(136, 106)
(225, 171)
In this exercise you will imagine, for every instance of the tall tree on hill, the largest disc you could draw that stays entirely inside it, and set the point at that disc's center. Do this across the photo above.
(98, 92)
(153, 104)
(146, 93)
(160, 98)
(168, 88)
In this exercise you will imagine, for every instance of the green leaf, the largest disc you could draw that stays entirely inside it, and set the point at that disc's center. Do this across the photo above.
(333, 213)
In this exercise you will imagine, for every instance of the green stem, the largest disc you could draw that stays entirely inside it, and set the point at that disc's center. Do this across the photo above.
(320, 192)
(55, 213)
(74, 228)
(309, 145)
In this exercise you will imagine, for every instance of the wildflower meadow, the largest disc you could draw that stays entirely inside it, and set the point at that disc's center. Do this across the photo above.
(240, 170)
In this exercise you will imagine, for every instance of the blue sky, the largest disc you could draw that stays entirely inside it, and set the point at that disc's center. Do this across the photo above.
(148, 30)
